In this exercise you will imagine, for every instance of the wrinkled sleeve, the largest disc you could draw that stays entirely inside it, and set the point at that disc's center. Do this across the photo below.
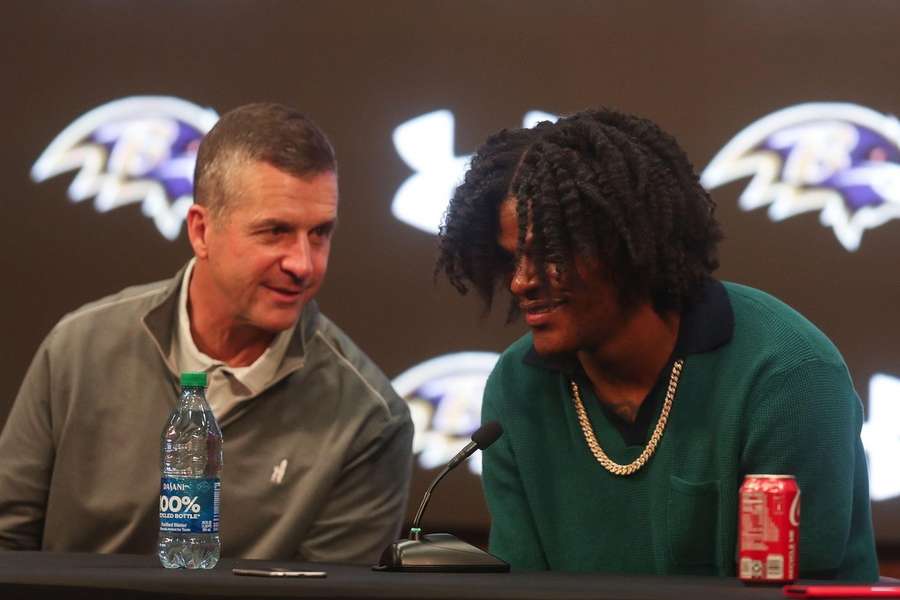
(807, 423)
(367, 505)
(26, 460)
(514, 537)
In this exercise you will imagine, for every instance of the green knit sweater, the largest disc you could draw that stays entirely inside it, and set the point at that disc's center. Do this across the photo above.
(762, 391)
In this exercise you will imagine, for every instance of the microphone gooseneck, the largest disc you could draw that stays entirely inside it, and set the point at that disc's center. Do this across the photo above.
(483, 437)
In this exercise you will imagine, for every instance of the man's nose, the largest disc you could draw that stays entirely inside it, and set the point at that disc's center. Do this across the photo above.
(524, 277)
(298, 259)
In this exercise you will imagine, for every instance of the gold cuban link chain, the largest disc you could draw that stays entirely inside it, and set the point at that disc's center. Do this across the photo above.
(588, 430)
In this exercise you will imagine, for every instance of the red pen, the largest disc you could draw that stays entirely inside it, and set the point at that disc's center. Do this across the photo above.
(841, 591)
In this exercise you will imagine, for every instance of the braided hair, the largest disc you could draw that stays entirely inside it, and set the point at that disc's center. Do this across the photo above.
(599, 184)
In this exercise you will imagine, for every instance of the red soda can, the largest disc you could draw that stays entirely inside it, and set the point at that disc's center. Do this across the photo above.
(768, 529)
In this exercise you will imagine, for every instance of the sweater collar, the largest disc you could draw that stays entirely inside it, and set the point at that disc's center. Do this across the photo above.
(159, 323)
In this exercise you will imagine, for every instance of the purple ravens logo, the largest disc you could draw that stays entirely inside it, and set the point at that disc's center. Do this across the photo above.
(139, 149)
(444, 399)
(840, 159)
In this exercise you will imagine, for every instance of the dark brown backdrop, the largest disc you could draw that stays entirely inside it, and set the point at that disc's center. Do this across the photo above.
(703, 70)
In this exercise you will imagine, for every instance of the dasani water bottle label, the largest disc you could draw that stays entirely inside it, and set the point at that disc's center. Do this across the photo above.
(189, 505)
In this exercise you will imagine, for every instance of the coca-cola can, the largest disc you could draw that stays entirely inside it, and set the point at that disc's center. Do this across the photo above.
(768, 529)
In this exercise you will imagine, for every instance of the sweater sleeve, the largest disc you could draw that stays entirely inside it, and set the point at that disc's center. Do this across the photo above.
(514, 537)
(366, 506)
(806, 423)
(26, 460)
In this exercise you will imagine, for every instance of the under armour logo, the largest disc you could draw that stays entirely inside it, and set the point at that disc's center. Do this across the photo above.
(278, 472)
(881, 436)
(425, 144)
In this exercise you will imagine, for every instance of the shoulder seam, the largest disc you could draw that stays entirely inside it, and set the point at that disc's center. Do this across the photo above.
(801, 334)
(93, 309)
(786, 370)
(353, 368)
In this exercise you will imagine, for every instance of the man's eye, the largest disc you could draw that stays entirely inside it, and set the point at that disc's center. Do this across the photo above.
(323, 231)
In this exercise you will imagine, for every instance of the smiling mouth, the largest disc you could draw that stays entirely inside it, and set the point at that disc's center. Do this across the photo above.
(284, 291)
(540, 307)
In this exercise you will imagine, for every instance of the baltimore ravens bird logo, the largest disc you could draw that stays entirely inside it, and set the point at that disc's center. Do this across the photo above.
(139, 149)
(444, 398)
(842, 159)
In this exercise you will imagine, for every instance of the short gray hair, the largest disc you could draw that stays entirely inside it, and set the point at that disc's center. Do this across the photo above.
(267, 132)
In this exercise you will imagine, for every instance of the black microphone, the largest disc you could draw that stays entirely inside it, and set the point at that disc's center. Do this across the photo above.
(483, 437)
(442, 552)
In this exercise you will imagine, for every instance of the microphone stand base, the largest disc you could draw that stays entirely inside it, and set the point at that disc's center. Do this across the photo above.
(438, 553)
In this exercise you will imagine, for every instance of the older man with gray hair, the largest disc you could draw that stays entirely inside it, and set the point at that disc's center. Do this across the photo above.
(317, 443)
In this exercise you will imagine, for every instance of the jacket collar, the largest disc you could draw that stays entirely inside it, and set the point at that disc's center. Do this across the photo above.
(159, 323)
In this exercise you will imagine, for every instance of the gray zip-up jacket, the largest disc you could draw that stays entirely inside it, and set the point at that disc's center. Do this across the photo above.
(316, 467)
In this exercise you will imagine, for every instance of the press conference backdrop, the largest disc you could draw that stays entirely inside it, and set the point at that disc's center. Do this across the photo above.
(784, 106)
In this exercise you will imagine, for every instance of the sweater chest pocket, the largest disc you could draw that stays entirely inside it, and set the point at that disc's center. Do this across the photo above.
(693, 521)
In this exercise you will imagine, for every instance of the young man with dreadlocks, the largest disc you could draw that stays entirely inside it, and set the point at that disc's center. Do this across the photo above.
(646, 390)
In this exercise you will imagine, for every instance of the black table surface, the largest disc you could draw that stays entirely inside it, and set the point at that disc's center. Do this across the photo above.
(70, 575)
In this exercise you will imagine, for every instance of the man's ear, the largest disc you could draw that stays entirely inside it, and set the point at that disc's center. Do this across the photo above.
(199, 221)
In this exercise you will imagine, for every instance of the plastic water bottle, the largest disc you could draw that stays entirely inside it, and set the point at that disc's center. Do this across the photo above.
(191, 463)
